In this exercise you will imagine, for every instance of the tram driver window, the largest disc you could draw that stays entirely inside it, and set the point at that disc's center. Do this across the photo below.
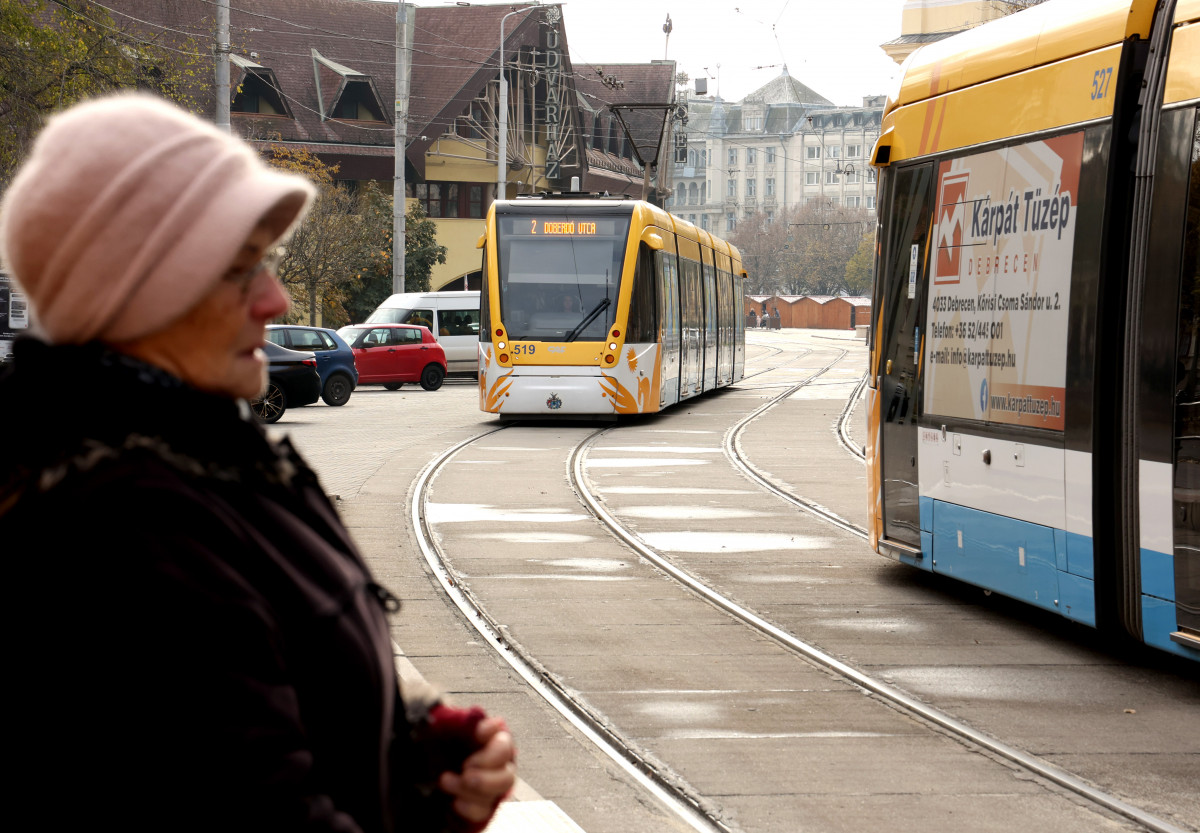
(643, 324)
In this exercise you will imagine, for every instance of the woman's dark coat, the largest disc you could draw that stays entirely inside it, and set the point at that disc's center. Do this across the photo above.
(198, 644)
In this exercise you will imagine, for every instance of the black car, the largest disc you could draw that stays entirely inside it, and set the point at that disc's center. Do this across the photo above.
(335, 359)
(293, 382)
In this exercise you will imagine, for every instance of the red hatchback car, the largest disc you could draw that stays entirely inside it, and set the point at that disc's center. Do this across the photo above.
(392, 354)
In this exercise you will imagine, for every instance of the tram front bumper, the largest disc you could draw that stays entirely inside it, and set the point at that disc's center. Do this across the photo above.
(555, 391)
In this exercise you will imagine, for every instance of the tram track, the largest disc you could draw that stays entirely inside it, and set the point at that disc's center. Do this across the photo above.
(891, 695)
(658, 780)
(842, 429)
(736, 456)
(686, 804)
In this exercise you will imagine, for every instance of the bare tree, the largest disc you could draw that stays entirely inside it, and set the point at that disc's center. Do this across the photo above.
(823, 238)
(1007, 7)
(802, 251)
(764, 249)
(327, 251)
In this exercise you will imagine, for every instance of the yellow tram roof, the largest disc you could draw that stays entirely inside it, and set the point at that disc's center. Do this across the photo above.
(1038, 35)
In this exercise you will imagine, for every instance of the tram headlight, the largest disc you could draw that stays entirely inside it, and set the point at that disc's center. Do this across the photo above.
(612, 346)
(500, 345)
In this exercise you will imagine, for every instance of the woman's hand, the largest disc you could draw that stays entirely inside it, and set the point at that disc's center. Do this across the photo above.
(488, 774)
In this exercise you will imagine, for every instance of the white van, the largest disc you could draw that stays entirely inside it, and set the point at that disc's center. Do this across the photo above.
(452, 317)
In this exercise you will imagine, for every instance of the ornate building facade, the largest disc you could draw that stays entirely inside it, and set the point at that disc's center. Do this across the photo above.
(781, 147)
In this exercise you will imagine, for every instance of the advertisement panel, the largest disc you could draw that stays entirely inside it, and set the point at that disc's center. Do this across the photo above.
(14, 314)
(1004, 236)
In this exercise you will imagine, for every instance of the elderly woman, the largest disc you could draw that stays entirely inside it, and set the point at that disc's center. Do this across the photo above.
(196, 642)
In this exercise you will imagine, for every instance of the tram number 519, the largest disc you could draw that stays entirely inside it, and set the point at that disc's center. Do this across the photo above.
(1100, 83)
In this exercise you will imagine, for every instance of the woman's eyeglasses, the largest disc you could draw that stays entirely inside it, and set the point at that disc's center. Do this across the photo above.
(269, 262)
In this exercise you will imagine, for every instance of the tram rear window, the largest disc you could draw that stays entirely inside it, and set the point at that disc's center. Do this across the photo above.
(560, 274)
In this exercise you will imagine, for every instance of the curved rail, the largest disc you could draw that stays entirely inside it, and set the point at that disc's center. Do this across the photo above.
(843, 424)
(734, 452)
(890, 694)
(689, 808)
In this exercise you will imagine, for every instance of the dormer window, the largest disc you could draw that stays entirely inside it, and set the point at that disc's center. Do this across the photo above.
(257, 92)
(358, 102)
(344, 93)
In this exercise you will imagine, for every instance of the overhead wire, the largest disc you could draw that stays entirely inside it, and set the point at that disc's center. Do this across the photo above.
(123, 33)
(343, 35)
(446, 123)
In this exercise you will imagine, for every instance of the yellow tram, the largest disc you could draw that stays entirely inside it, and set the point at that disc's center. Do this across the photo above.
(1035, 355)
(594, 306)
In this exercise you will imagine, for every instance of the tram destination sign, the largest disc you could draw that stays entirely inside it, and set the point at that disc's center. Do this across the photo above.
(999, 289)
(543, 226)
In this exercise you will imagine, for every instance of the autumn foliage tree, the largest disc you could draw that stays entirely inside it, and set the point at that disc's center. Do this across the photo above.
(338, 238)
(860, 269)
(54, 54)
(421, 251)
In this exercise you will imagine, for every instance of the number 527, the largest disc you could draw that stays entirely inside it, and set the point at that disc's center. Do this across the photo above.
(1100, 83)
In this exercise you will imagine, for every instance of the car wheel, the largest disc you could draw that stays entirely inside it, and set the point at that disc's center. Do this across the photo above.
(394, 385)
(337, 390)
(270, 407)
(431, 377)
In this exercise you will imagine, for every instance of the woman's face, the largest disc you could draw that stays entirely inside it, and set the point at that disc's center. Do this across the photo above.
(216, 346)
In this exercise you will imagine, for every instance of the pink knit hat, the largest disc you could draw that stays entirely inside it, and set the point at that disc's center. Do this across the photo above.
(128, 211)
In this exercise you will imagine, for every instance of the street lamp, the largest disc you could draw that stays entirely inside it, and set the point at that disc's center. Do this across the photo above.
(502, 151)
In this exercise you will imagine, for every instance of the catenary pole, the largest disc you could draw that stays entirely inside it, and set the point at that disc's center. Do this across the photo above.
(502, 105)
(221, 50)
(403, 34)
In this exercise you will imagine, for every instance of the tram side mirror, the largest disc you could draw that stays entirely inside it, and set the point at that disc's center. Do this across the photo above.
(653, 239)
(482, 241)
(881, 154)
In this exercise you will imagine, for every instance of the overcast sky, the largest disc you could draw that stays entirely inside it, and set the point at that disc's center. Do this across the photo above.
(830, 45)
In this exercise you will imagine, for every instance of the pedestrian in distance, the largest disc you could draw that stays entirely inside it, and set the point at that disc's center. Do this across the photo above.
(195, 641)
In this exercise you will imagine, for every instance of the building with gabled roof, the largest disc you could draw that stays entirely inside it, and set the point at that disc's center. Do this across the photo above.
(614, 143)
(319, 75)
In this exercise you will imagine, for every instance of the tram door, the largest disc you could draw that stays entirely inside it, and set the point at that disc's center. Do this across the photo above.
(907, 239)
(1186, 504)
(667, 270)
(692, 315)
(711, 318)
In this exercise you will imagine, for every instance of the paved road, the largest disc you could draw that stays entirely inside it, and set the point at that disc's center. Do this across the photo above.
(1028, 684)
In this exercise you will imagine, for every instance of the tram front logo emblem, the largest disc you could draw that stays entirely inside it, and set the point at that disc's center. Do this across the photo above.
(951, 220)
(554, 403)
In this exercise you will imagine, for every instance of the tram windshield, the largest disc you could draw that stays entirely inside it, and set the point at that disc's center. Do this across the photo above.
(560, 274)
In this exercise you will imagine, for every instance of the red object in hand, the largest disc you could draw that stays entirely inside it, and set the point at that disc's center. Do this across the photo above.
(451, 735)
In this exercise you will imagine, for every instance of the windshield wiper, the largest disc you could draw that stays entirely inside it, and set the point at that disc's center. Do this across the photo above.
(591, 316)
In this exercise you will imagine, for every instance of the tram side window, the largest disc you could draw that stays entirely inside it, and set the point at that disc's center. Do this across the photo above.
(643, 305)
(485, 301)
(911, 206)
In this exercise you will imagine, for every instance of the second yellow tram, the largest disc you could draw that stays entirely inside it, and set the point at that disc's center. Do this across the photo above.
(596, 306)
